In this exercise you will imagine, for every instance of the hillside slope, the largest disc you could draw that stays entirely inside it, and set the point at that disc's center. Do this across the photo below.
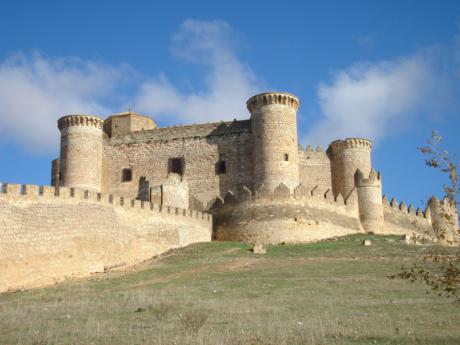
(334, 292)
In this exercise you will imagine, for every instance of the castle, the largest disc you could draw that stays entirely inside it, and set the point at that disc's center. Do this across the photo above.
(124, 190)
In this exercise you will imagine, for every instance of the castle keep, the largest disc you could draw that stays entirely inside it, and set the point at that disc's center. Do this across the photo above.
(199, 166)
(128, 155)
(124, 189)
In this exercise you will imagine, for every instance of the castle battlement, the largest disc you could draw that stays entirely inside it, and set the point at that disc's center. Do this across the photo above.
(315, 195)
(80, 120)
(310, 150)
(348, 143)
(405, 210)
(268, 98)
(38, 194)
(48, 234)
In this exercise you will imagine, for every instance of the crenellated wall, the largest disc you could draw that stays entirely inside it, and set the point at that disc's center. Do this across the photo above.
(308, 215)
(438, 223)
(281, 216)
(400, 219)
(48, 234)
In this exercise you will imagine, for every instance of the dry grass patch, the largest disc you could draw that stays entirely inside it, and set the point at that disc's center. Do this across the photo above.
(220, 293)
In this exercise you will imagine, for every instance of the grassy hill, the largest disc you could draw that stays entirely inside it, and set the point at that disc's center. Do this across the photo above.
(334, 292)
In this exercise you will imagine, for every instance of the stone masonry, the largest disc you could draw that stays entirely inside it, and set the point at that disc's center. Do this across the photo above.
(48, 234)
(218, 167)
(124, 189)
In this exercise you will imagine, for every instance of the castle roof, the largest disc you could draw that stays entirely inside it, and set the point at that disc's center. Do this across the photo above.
(129, 112)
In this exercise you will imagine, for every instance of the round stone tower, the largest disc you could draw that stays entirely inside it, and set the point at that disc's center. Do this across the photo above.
(348, 156)
(274, 130)
(370, 201)
(444, 219)
(81, 151)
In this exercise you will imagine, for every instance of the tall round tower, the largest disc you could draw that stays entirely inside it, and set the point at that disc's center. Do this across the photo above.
(274, 130)
(81, 151)
(348, 156)
(444, 219)
(370, 201)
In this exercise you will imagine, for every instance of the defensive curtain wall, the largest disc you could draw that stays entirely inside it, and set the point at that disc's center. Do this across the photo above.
(306, 215)
(48, 234)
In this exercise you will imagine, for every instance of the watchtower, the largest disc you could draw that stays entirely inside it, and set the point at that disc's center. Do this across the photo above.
(81, 151)
(444, 218)
(274, 130)
(348, 156)
(370, 201)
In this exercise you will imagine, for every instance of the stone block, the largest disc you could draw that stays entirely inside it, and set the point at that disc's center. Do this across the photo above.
(259, 248)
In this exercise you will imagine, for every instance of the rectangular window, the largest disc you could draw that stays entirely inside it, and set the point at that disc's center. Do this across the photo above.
(286, 157)
(126, 175)
(176, 165)
(221, 167)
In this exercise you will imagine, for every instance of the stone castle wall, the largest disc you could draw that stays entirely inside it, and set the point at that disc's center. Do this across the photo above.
(315, 168)
(202, 147)
(45, 238)
(308, 215)
(289, 221)
(148, 154)
(281, 216)
(400, 219)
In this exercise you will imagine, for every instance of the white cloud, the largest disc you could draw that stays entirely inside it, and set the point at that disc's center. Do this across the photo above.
(365, 100)
(36, 91)
(369, 100)
(228, 82)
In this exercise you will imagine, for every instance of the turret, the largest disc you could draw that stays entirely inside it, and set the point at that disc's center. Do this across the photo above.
(370, 201)
(274, 130)
(348, 156)
(81, 151)
(444, 219)
(122, 124)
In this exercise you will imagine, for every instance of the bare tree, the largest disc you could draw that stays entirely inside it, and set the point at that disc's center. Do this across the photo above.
(439, 268)
(441, 159)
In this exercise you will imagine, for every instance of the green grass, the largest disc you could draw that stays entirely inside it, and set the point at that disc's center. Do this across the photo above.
(333, 292)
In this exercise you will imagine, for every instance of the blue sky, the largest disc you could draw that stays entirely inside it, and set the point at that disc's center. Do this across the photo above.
(387, 70)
